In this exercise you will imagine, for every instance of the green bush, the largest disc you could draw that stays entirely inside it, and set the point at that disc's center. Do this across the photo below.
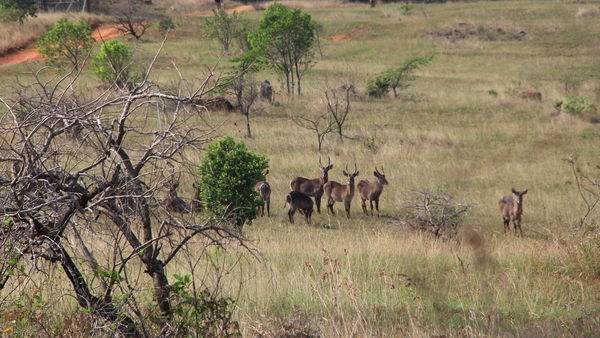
(166, 24)
(68, 41)
(576, 105)
(228, 174)
(17, 10)
(111, 64)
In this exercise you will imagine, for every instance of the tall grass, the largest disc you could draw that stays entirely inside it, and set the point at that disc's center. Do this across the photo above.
(369, 277)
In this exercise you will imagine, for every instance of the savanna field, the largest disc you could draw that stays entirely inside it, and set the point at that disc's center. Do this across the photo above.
(461, 128)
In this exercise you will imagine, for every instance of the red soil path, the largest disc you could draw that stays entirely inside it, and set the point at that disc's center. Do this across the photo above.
(31, 54)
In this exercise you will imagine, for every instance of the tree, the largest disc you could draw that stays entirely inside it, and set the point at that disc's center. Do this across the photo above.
(228, 174)
(83, 180)
(337, 102)
(245, 88)
(321, 124)
(129, 20)
(285, 40)
(397, 78)
(17, 10)
(224, 28)
(111, 64)
(67, 41)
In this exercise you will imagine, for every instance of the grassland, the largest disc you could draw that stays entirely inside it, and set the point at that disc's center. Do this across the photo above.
(369, 277)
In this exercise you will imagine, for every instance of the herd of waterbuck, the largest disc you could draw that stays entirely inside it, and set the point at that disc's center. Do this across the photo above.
(299, 199)
(302, 189)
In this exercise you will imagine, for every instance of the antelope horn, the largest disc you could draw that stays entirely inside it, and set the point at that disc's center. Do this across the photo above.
(382, 171)
(377, 170)
(320, 161)
(355, 169)
(346, 167)
(328, 161)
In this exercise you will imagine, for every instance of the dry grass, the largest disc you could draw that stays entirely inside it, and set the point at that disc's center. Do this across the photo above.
(14, 36)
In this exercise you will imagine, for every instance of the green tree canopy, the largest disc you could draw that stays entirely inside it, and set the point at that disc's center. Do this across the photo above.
(68, 41)
(285, 40)
(17, 10)
(224, 28)
(228, 174)
(397, 78)
(112, 62)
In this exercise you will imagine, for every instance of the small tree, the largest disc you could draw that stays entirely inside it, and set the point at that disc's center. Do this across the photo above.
(321, 124)
(224, 28)
(111, 64)
(285, 40)
(228, 174)
(129, 20)
(338, 104)
(397, 78)
(17, 10)
(68, 41)
(245, 88)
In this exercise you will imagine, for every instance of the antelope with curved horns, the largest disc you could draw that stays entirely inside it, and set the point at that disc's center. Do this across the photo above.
(371, 191)
(264, 190)
(314, 187)
(512, 210)
(341, 192)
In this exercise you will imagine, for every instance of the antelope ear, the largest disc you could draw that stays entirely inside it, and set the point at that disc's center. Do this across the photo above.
(524, 192)
(514, 191)
(357, 173)
(375, 174)
(345, 173)
(330, 166)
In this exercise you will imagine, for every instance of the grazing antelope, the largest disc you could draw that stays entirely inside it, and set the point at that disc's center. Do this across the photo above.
(341, 192)
(512, 211)
(264, 189)
(174, 203)
(314, 187)
(371, 191)
(301, 202)
(196, 204)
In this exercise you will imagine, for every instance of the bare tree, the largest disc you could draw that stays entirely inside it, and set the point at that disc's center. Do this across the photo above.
(97, 164)
(433, 211)
(246, 90)
(587, 179)
(321, 124)
(129, 20)
(337, 101)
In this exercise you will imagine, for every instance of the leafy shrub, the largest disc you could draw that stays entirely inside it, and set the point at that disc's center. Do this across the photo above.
(68, 41)
(17, 10)
(166, 24)
(111, 64)
(576, 105)
(228, 174)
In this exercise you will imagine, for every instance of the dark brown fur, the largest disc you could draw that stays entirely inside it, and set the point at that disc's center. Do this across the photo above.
(299, 202)
(313, 188)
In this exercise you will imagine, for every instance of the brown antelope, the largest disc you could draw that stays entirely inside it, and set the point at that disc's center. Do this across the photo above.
(264, 189)
(196, 204)
(174, 203)
(314, 187)
(341, 192)
(301, 202)
(371, 191)
(512, 211)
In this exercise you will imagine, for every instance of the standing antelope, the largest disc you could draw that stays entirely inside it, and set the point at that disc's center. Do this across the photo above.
(299, 201)
(372, 191)
(314, 187)
(511, 211)
(264, 189)
(341, 192)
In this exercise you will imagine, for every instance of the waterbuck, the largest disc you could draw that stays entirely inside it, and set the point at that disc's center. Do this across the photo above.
(196, 205)
(264, 190)
(174, 203)
(341, 192)
(371, 191)
(512, 211)
(314, 187)
(301, 202)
